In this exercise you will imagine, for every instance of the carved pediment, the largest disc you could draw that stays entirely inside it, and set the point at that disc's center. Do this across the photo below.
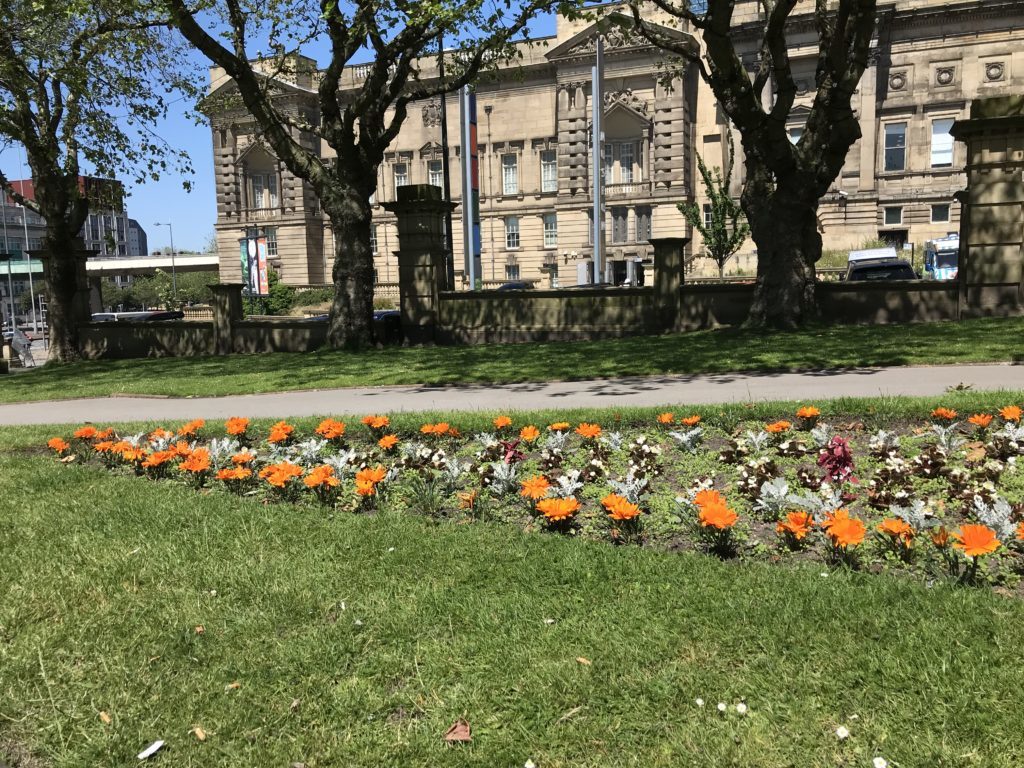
(628, 99)
(619, 34)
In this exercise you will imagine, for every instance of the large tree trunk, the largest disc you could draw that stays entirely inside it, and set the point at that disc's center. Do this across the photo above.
(784, 226)
(350, 325)
(62, 293)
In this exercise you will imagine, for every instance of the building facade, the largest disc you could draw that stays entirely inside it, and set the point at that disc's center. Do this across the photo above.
(930, 59)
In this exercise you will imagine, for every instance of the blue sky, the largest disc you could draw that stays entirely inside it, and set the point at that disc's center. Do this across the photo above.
(191, 213)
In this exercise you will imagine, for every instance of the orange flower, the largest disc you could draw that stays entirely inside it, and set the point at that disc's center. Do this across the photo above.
(940, 537)
(373, 421)
(331, 429)
(620, 508)
(160, 434)
(441, 428)
(946, 414)
(278, 475)
(181, 448)
(467, 499)
(88, 432)
(366, 488)
(708, 497)
(796, 524)
(976, 540)
(191, 428)
(321, 476)
(808, 412)
(159, 458)
(58, 445)
(240, 459)
(1020, 531)
(371, 475)
(234, 474)
(198, 461)
(1010, 413)
(529, 433)
(280, 432)
(105, 434)
(388, 442)
(501, 422)
(717, 516)
(777, 427)
(535, 487)
(981, 420)
(121, 446)
(898, 530)
(104, 446)
(559, 426)
(666, 418)
(690, 421)
(236, 426)
(845, 531)
(134, 454)
(556, 510)
(588, 431)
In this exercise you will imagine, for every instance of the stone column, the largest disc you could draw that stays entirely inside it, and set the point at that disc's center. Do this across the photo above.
(668, 277)
(869, 124)
(95, 293)
(420, 212)
(227, 310)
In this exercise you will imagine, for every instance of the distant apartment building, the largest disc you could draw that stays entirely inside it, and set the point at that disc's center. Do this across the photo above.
(928, 61)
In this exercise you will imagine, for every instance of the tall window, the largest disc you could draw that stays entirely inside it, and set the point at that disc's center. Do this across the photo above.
(373, 239)
(512, 232)
(626, 163)
(708, 216)
(609, 163)
(643, 223)
(271, 234)
(620, 225)
(548, 171)
(435, 173)
(401, 176)
(942, 143)
(895, 146)
(550, 230)
(510, 174)
(264, 190)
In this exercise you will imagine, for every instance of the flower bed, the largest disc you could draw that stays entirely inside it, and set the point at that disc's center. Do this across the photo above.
(936, 499)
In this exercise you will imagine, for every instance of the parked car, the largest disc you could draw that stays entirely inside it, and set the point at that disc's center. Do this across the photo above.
(515, 285)
(387, 325)
(138, 317)
(881, 269)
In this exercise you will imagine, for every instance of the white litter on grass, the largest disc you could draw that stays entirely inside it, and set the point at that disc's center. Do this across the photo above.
(722, 707)
(842, 733)
(529, 764)
(700, 702)
(151, 750)
(549, 621)
(880, 762)
(741, 708)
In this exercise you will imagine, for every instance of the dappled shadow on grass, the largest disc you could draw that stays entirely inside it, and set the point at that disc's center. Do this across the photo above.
(720, 351)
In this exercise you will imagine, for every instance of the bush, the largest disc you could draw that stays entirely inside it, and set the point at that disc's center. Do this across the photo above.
(313, 296)
(279, 301)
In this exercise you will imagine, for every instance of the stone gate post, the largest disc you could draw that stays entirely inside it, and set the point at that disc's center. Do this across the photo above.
(668, 277)
(227, 310)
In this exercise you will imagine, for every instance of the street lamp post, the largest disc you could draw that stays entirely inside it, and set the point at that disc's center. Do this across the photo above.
(174, 276)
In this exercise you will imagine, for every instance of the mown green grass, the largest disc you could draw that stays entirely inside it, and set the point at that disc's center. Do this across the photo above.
(725, 350)
(105, 577)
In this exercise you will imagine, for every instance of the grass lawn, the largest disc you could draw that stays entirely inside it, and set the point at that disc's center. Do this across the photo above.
(983, 340)
(358, 640)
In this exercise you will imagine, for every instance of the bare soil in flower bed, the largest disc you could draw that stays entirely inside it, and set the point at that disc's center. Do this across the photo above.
(913, 498)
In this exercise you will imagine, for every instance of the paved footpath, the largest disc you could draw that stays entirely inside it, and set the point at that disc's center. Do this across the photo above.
(638, 391)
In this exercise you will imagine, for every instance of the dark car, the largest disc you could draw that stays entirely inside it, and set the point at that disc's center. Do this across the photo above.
(515, 285)
(387, 325)
(881, 269)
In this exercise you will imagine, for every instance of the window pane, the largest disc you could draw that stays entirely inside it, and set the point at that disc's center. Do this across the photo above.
(626, 163)
(643, 224)
(436, 173)
(707, 215)
(373, 240)
(512, 232)
(550, 230)
(795, 134)
(620, 230)
(895, 146)
(894, 215)
(609, 163)
(548, 171)
(401, 175)
(510, 174)
(940, 213)
(942, 143)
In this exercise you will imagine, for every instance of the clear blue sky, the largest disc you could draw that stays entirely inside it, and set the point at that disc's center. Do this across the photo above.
(193, 213)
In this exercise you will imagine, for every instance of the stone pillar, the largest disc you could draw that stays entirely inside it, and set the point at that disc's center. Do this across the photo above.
(420, 212)
(95, 293)
(227, 310)
(869, 140)
(668, 277)
(991, 268)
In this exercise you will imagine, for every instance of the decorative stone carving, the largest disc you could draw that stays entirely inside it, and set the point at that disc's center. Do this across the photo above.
(613, 38)
(802, 88)
(432, 114)
(945, 75)
(995, 71)
(897, 81)
(626, 97)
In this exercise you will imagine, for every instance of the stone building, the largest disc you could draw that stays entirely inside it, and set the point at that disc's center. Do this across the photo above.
(930, 59)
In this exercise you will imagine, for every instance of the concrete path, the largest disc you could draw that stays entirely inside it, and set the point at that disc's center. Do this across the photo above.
(639, 391)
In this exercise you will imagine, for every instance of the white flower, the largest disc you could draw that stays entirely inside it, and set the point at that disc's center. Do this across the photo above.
(842, 732)
(741, 708)
(529, 764)
(722, 707)
(700, 702)
(880, 762)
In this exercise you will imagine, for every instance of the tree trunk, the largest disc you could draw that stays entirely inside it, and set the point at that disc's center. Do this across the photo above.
(62, 293)
(784, 226)
(350, 324)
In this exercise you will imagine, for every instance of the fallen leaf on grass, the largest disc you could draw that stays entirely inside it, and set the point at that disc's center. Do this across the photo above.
(295, 705)
(151, 750)
(106, 718)
(198, 732)
(583, 660)
(458, 733)
(69, 459)
(200, 629)
(568, 715)
(233, 686)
